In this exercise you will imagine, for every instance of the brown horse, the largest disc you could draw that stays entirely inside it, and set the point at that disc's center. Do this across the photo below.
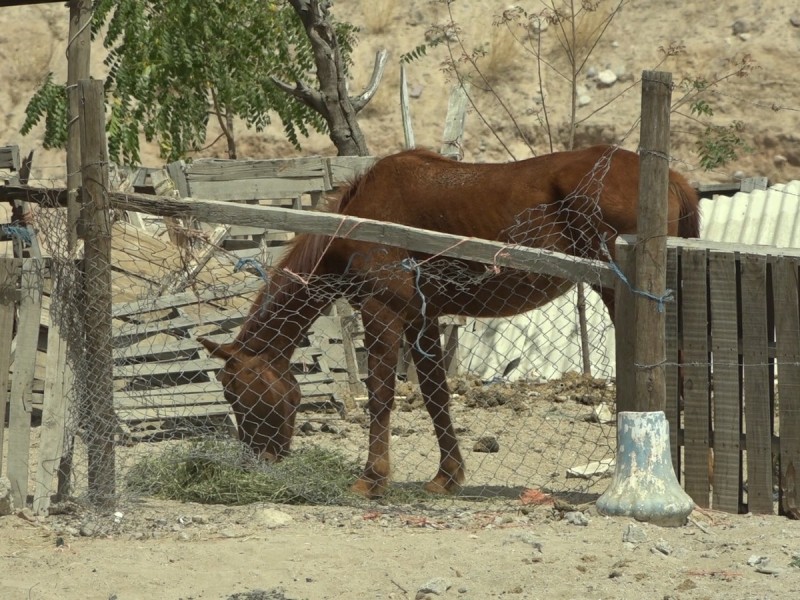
(571, 202)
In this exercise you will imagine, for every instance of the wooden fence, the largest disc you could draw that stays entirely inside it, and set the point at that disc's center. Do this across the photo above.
(733, 372)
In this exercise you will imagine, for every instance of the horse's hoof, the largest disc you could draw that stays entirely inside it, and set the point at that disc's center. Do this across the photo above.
(442, 487)
(368, 489)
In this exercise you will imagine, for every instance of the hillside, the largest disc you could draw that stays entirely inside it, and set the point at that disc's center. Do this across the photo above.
(713, 35)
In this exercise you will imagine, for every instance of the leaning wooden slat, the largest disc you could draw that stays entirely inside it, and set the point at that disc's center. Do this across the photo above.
(727, 494)
(53, 426)
(19, 420)
(694, 305)
(625, 328)
(9, 275)
(672, 406)
(758, 421)
(136, 331)
(248, 286)
(787, 333)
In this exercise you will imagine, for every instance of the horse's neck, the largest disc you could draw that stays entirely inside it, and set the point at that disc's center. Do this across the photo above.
(276, 327)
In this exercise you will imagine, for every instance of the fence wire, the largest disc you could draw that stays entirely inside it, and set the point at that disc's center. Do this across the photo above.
(525, 409)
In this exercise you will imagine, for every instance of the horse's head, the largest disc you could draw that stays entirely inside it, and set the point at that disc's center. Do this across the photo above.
(264, 398)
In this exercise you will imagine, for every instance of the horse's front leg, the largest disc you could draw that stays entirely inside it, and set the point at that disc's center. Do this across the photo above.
(383, 334)
(426, 349)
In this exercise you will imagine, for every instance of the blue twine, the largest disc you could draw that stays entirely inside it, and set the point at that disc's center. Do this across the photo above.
(409, 264)
(20, 233)
(243, 263)
(667, 296)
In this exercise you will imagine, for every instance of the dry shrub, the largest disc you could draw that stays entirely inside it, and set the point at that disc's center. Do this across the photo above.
(503, 53)
(579, 27)
(378, 14)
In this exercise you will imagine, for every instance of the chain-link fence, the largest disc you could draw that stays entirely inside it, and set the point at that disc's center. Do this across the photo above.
(312, 351)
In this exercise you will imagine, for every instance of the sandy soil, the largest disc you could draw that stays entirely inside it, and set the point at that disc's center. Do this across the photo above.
(482, 549)
(181, 551)
(497, 539)
(712, 35)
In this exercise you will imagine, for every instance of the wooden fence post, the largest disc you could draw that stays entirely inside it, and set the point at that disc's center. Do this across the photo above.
(651, 248)
(99, 410)
(78, 58)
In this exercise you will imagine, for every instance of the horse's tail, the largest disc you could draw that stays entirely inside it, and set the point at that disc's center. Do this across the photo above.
(689, 219)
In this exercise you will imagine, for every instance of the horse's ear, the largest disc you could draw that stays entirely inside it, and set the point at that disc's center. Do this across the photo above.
(215, 349)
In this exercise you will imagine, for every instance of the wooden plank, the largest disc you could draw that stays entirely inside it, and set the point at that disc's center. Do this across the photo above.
(9, 274)
(405, 110)
(157, 413)
(177, 172)
(175, 367)
(248, 286)
(222, 170)
(727, 395)
(672, 357)
(199, 365)
(137, 331)
(255, 189)
(19, 420)
(54, 414)
(344, 169)
(542, 261)
(159, 348)
(787, 333)
(694, 311)
(758, 417)
(453, 135)
(209, 392)
(624, 326)
(9, 157)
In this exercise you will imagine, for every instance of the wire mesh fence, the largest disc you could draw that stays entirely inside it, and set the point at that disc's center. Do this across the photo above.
(313, 352)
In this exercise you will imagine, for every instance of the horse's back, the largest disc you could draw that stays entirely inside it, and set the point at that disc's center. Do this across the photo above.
(420, 188)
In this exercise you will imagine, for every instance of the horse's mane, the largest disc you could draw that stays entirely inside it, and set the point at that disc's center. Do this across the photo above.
(302, 258)
(689, 220)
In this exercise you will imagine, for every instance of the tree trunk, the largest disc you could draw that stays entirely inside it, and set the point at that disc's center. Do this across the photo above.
(332, 100)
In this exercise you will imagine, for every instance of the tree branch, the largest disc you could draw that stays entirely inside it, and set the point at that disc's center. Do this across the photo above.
(364, 97)
(301, 91)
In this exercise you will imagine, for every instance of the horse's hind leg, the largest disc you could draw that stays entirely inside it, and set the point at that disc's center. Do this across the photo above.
(383, 333)
(426, 349)
(607, 295)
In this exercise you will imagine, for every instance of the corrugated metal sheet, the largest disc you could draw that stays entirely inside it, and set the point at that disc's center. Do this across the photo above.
(767, 217)
(547, 340)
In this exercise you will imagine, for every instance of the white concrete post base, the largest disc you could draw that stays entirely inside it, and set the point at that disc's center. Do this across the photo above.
(644, 485)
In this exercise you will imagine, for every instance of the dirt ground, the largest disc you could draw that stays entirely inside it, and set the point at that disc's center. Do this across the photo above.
(502, 537)
(264, 552)
(713, 36)
(457, 548)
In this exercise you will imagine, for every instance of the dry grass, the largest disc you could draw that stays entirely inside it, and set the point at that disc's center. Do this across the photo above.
(504, 51)
(378, 15)
(225, 472)
(222, 471)
(579, 30)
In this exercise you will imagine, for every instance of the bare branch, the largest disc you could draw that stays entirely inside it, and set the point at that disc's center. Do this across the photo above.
(364, 97)
(301, 91)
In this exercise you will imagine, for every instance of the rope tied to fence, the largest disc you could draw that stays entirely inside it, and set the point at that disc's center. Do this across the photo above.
(667, 296)
(244, 263)
(18, 233)
(411, 265)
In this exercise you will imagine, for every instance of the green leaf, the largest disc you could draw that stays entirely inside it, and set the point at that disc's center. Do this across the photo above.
(174, 65)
